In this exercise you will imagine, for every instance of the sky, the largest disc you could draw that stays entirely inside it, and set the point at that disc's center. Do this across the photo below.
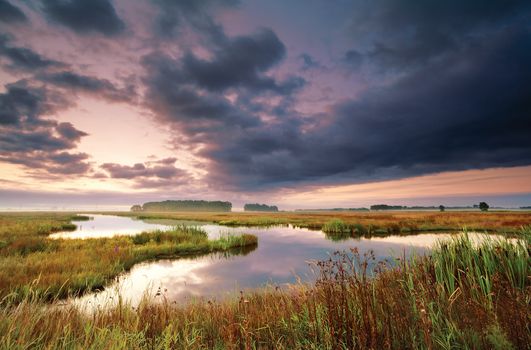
(297, 103)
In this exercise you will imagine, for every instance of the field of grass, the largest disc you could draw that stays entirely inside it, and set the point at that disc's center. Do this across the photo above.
(461, 297)
(379, 223)
(30, 262)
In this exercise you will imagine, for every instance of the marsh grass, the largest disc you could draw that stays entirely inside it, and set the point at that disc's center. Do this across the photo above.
(465, 295)
(336, 226)
(364, 223)
(337, 229)
(177, 234)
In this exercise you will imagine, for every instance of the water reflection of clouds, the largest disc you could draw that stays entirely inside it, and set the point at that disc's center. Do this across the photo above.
(282, 256)
(173, 278)
(107, 226)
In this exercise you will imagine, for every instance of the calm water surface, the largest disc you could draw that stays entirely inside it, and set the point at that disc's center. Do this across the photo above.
(283, 256)
(109, 225)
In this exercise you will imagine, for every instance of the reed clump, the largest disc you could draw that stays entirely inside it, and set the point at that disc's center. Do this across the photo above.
(464, 295)
(338, 230)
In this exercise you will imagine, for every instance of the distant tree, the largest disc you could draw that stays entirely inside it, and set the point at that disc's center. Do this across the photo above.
(259, 207)
(483, 206)
(387, 207)
(441, 207)
(187, 205)
(136, 207)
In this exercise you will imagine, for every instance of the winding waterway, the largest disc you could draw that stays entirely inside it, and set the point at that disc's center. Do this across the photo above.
(284, 255)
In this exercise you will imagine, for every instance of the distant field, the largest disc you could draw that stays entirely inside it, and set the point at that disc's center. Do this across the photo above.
(391, 222)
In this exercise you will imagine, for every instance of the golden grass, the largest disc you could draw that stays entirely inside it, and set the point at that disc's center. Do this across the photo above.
(406, 306)
(460, 297)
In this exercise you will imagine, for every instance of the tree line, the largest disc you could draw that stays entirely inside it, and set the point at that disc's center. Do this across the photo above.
(259, 207)
(184, 205)
(483, 206)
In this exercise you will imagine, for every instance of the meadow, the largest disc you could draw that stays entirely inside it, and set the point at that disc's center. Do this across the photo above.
(463, 295)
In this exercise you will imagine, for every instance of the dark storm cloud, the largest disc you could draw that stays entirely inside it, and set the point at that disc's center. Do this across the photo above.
(83, 83)
(40, 139)
(10, 13)
(44, 164)
(472, 107)
(28, 139)
(450, 15)
(241, 62)
(85, 16)
(174, 99)
(154, 174)
(54, 163)
(459, 101)
(174, 14)
(22, 58)
(68, 131)
(471, 110)
(187, 92)
(408, 33)
(195, 112)
(20, 103)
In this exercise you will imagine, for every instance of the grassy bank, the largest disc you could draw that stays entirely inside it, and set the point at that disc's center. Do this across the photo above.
(30, 262)
(378, 223)
(463, 296)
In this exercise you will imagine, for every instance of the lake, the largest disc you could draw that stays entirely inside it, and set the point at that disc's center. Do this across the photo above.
(284, 255)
